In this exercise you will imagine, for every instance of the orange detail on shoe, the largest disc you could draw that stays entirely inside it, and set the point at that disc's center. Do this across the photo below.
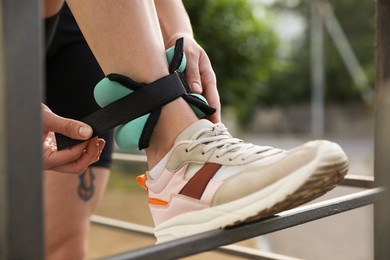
(141, 179)
(158, 202)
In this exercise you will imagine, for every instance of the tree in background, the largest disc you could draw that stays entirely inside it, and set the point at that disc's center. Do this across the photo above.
(358, 22)
(241, 47)
(245, 51)
(290, 81)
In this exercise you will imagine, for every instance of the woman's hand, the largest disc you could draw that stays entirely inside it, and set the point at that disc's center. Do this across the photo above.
(76, 158)
(199, 73)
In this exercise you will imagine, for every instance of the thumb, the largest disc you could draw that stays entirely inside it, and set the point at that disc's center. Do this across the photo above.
(68, 127)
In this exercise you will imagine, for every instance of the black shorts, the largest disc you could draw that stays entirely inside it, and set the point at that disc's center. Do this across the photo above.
(71, 74)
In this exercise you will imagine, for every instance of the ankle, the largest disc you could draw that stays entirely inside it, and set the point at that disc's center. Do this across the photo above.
(175, 117)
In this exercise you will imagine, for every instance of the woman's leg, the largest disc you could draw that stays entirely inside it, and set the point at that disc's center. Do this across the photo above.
(209, 180)
(68, 211)
(52, 7)
(125, 37)
(71, 74)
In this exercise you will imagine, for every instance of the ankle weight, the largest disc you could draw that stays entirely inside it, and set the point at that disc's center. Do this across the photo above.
(142, 103)
(127, 136)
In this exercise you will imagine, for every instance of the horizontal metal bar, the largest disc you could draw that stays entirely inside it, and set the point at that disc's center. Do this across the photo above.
(235, 250)
(126, 157)
(122, 225)
(358, 181)
(213, 239)
(250, 253)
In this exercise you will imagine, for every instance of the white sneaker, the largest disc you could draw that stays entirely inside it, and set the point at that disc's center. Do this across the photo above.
(210, 180)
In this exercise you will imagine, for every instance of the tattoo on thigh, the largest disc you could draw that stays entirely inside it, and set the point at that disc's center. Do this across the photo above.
(86, 187)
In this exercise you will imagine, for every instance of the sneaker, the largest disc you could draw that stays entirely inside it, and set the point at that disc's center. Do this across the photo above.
(210, 180)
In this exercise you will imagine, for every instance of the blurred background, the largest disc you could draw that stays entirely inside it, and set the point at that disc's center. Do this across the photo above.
(287, 71)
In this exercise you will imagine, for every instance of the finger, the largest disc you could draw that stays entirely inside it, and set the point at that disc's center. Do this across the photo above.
(192, 72)
(89, 156)
(53, 158)
(45, 135)
(210, 91)
(102, 144)
(68, 127)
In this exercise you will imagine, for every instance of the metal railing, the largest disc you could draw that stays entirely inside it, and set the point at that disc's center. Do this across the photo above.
(373, 195)
(219, 239)
(21, 207)
(21, 85)
(382, 129)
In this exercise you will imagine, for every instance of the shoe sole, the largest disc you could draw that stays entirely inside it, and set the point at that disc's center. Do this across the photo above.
(305, 184)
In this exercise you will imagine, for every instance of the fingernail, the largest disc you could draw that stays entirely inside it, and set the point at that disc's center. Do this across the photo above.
(196, 87)
(102, 143)
(85, 131)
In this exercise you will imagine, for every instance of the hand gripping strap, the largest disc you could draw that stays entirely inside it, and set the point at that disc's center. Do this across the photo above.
(199, 103)
(140, 102)
(177, 63)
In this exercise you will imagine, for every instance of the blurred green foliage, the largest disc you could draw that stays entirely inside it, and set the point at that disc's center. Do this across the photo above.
(244, 51)
(240, 46)
(357, 20)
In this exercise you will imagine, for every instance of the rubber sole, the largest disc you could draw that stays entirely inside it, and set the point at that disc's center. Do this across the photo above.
(305, 184)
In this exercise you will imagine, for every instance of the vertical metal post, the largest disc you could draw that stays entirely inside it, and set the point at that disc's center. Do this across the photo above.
(317, 70)
(382, 130)
(21, 63)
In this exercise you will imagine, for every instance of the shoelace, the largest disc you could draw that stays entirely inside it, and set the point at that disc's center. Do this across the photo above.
(217, 137)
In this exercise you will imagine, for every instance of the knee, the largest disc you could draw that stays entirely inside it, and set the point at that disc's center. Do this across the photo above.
(66, 247)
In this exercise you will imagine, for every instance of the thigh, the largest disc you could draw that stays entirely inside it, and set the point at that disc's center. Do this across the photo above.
(71, 70)
(71, 74)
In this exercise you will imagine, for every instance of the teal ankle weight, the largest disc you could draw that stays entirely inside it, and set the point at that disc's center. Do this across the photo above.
(127, 135)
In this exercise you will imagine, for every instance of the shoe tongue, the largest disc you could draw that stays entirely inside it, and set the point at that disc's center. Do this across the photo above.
(192, 129)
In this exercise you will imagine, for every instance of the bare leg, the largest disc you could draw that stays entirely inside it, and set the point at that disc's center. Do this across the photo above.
(69, 200)
(126, 38)
(52, 7)
(67, 215)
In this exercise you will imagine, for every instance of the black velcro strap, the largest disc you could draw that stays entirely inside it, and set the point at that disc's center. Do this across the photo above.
(177, 56)
(200, 104)
(130, 107)
(147, 132)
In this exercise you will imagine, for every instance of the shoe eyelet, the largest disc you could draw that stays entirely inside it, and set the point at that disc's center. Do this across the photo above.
(186, 150)
(217, 156)
(230, 159)
(203, 153)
